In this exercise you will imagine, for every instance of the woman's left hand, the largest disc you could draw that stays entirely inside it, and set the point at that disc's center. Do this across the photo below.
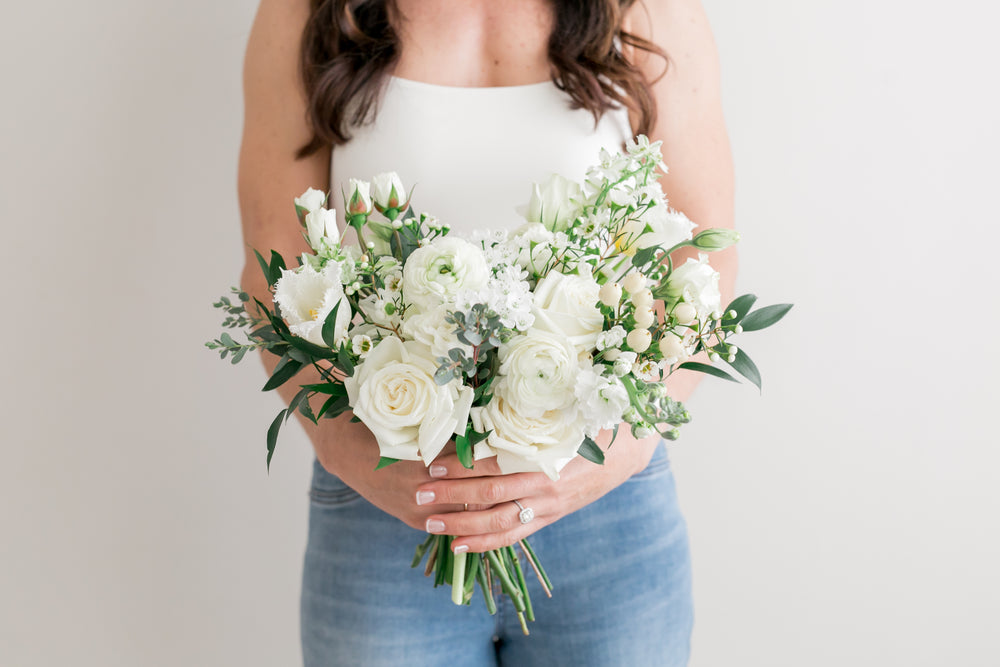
(493, 520)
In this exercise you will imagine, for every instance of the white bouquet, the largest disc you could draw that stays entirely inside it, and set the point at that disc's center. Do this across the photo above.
(521, 345)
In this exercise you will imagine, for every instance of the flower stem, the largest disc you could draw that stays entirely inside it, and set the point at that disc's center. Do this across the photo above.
(458, 578)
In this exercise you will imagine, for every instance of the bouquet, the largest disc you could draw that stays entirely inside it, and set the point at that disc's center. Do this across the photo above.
(521, 345)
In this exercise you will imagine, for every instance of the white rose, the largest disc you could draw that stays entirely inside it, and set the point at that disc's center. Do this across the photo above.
(311, 200)
(696, 283)
(394, 394)
(526, 444)
(555, 204)
(435, 273)
(431, 329)
(567, 305)
(540, 370)
(306, 297)
(320, 224)
(388, 191)
(668, 228)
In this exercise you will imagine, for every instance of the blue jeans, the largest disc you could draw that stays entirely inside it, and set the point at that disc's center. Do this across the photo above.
(620, 569)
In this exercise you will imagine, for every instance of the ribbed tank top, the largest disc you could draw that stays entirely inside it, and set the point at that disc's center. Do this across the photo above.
(473, 153)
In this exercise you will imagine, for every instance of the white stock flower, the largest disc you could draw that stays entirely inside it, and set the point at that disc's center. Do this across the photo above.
(566, 304)
(696, 283)
(320, 224)
(311, 200)
(307, 296)
(545, 443)
(435, 273)
(539, 369)
(602, 399)
(394, 394)
(431, 329)
(555, 204)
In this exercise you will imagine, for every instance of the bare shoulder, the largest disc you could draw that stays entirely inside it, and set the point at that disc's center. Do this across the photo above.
(689, 117)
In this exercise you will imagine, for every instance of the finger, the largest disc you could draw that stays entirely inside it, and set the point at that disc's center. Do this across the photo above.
(482, 490)
(491, 528)
(449, 467)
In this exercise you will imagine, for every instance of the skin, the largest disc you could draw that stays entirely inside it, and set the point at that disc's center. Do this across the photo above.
(491, 43)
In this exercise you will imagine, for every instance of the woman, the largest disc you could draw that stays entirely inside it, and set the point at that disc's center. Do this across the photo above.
(467, 106)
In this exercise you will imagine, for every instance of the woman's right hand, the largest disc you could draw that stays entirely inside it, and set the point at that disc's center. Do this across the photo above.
(349, 451)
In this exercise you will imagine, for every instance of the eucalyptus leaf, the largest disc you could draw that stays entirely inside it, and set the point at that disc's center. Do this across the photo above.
(765, 317)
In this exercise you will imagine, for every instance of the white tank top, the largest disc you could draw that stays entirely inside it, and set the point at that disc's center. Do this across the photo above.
(473, 153)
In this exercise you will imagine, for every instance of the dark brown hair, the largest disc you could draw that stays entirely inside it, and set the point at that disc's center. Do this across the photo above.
(350, 46)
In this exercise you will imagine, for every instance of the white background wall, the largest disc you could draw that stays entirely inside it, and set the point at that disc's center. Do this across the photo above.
(847, 516)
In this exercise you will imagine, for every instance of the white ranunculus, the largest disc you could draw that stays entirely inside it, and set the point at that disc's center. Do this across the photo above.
(696, 283)
(603, 400)
(306, 296)
(311, 200)
(388, 191)
(668, 228)
(394, 394)
(526, 444)
(566, 304)
(431, 329)
(539, 368)
(435, 273)
(555, 203)
(320, 224)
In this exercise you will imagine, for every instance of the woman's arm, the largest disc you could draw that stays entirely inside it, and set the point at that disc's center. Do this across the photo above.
(270, 176)
(700, 183)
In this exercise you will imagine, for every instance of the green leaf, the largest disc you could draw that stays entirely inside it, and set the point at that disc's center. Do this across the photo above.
(742, 306)
(265, 269)
(746, 367)
(765, 317)
(385, 461)
(282, 373)
(590, 451)
(464, 450)
(272, 436)
(708, 370)
(330, 326)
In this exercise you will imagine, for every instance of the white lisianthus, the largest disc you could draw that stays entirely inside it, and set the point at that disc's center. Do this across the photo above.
(545, 443)
(311, 200)
(388, 191)
(602, 399)
(307, 296)
(555, 204)
(566, 304)
(696, 283)
(394, 393)
(322, 224)
(431, 329)
(435, 273)
(613, 337)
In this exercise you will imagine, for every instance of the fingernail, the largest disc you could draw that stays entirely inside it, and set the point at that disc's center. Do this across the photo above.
(438, 471)
(424, 497)
(460, 549)
(435, 526)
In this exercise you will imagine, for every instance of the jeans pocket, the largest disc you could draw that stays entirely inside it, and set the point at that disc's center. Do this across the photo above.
(328, 489)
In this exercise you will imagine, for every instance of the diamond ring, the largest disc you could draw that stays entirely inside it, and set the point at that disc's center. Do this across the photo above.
(527, 514)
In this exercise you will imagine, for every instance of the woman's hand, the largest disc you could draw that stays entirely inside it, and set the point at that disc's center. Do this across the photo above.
(493, 519)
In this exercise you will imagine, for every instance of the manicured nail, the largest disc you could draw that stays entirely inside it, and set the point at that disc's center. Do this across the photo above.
(438, 471)
(424, 497)
(460, 549)
(435, 526)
